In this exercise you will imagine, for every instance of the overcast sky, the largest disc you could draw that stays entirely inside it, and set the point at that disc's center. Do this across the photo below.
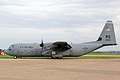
(77, 21)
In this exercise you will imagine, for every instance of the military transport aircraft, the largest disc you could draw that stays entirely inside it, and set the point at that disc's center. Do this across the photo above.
(60, 49)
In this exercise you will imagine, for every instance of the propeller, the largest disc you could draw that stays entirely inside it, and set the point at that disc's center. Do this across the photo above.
(42, 44)
(2, 51)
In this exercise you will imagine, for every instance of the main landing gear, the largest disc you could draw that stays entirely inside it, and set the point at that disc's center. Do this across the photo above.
(56, 57)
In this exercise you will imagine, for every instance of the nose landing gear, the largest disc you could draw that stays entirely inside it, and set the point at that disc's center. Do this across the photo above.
(15, 57)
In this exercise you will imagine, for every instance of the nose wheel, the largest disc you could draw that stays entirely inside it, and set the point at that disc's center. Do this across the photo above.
(15, 57)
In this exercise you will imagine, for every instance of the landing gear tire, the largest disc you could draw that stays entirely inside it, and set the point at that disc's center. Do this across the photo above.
(53, 57)
(15, 57)
(60, 57)
(56, 57)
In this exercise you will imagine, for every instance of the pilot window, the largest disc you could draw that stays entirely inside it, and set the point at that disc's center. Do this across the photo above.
(12, 46)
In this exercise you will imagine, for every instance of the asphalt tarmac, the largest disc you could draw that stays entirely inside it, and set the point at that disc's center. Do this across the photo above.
(59, 69)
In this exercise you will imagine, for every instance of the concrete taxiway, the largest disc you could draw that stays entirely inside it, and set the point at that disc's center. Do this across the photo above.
(59, 69)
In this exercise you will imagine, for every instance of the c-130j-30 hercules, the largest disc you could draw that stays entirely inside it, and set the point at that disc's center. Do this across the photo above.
(60, 49)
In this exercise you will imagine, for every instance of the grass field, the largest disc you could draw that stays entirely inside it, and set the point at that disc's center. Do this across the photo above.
(93, 55)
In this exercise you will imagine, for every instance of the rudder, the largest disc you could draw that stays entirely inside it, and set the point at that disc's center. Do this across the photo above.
(107, 36)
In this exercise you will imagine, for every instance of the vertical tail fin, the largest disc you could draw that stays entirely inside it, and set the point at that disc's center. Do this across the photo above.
(107, 36)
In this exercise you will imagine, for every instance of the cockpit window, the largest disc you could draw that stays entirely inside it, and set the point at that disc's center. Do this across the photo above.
(12, 46)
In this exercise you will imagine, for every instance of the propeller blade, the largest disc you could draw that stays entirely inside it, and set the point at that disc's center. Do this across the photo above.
(42, 44)
(2, 50)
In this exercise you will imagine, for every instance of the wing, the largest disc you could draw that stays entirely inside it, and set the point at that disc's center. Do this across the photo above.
(56, 48)
(60, 46)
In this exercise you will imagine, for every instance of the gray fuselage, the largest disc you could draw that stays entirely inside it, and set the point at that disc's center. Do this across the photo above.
(35, 50)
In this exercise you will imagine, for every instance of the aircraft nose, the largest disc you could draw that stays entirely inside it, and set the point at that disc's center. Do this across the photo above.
(5, 51)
